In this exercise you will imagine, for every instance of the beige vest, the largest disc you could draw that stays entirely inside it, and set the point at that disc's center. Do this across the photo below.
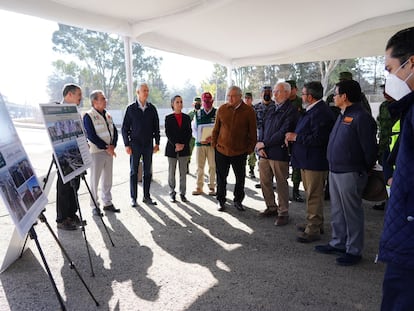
(104, 129)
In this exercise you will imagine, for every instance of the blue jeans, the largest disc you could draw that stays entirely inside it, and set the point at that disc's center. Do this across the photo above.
(146, 153)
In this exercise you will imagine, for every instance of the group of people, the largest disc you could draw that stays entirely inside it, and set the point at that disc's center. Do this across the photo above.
(317, 143)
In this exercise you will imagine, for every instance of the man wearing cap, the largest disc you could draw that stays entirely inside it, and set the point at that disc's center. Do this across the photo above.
(261, 109)
(385, 133)
(296, 177)
(191, 114)
(202, 126)
(251, 158)
(234, 137)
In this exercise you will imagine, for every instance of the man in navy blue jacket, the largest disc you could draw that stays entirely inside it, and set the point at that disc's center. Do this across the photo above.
(309, 143)
(397, 240)
(140, 128)
(352, 152)
(274, 156)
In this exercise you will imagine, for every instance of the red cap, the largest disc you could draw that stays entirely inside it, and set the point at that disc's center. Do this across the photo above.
(206, 97)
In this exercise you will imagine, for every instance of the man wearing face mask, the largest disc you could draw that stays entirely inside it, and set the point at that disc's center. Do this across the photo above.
(204, 123)
(191, 114)
(397, 240)
(309, 143)
(261, 109)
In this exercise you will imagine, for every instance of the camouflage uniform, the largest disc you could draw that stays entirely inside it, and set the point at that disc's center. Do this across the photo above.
(385, 124)
(192, 140)
(296, 176)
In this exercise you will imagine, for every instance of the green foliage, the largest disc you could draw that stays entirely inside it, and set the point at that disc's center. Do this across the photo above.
(97, 61)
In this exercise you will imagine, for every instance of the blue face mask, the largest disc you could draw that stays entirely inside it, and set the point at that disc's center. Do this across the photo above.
(396, 87)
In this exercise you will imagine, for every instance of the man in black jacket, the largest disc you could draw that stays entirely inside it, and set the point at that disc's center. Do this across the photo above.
(140, 128)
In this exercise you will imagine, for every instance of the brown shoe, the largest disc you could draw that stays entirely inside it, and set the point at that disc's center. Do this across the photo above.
(282, 221)
(307, 238)
(212, 192)
(302, 227)
(269, 212)
(198, 191)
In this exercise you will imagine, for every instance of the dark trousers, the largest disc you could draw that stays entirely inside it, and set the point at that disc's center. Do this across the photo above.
(66, 198)
(397, 289)
(238, 163)
(146, 153)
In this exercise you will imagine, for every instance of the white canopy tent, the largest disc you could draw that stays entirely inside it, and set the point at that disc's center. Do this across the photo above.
(238, 32)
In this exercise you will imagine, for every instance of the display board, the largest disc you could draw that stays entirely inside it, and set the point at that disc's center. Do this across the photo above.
(19, 186)
(64, 126)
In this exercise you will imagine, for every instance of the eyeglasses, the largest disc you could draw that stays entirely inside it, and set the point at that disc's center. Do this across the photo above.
(337, 94)
(305, 94)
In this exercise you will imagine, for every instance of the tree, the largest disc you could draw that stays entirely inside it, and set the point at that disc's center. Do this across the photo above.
(97, 62)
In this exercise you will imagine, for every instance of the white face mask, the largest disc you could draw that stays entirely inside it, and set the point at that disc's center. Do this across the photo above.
(395, 87)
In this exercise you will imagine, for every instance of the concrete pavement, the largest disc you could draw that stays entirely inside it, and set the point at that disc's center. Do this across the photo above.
(188, 256)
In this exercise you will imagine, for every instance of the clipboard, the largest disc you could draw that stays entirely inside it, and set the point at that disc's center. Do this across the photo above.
(204, 131)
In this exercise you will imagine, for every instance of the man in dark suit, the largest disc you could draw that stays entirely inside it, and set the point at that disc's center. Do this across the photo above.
(179, 133)
(274, 156)
(140, 128)
(309, 142)
(66, 205)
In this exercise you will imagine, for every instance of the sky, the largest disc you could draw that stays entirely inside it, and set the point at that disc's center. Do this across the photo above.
(26, 56)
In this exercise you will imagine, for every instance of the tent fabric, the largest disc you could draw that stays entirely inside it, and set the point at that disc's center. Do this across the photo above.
(238, 32)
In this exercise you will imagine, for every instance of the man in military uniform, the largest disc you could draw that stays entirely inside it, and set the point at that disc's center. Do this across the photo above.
(261, 108)
(385, 125)
(251, 158)
(296, 176)
(196, 107)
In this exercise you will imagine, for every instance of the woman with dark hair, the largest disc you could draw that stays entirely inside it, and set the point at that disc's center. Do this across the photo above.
(178, 132)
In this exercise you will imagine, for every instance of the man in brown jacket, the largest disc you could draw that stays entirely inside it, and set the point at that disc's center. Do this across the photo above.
(233, 138)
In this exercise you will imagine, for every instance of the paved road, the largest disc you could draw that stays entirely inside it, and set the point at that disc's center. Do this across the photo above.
(186, 256)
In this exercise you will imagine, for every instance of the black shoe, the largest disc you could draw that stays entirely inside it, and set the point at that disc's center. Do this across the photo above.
(67, 224)
(183, 198)
(348, 259)
(328, 249)
(96, 212)
(111, 208)
(172, 198)
(221, 206)
(379, 207)
(297, 197)
(134, 203)
(239, 206)
(251, 174)
(149, 201)
(76, 220)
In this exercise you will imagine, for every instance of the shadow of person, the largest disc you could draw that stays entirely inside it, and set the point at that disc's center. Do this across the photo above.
(187, 233)
(18, 283)
(126, 263)
(132, 263)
